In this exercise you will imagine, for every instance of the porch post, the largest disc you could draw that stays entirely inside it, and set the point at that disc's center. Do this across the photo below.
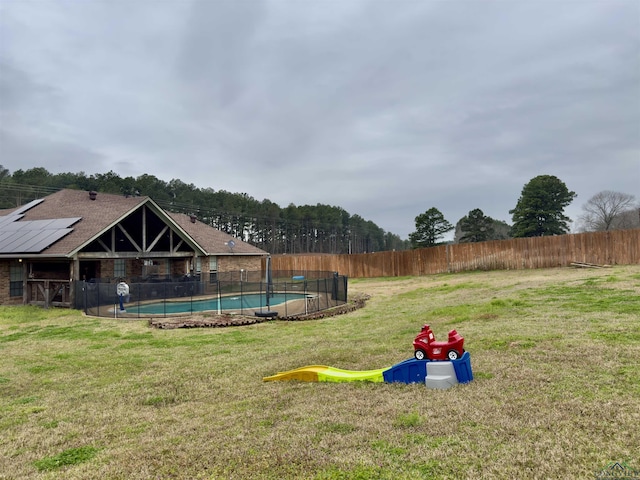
(74, 274)
(46, 294)
(25, 285)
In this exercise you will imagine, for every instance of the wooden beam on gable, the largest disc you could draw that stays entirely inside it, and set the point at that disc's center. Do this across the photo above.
(144, 229)
(157, 239)
(175, 250)
(130, 238)
(104, 255)
(104, 245)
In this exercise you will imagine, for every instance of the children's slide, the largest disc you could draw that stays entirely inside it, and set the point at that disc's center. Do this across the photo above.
(443, 373)
(322, 373)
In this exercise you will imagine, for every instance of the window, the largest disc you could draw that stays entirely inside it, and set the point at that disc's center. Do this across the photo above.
(119, 268)
(149, 268)
(16, 277)
(213, 269)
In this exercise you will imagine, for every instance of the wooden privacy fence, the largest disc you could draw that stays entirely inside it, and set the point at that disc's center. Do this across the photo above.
(619, 247)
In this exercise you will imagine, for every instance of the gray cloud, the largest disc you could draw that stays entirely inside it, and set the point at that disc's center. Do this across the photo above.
(383, 108)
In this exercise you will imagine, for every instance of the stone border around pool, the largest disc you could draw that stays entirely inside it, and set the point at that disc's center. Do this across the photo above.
(229, 320)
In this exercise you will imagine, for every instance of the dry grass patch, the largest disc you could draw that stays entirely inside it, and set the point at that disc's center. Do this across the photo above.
(555, 354)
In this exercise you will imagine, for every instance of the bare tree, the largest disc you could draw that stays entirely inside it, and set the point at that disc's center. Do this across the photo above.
(608, 210)
(627, 219)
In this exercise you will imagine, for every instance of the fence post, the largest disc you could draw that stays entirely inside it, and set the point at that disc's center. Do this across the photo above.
(192, 291)
(84, 295)
(242, 298)
(286, 309)
(164, 299)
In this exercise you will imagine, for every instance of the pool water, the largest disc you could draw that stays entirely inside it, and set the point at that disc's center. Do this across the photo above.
(237, 302)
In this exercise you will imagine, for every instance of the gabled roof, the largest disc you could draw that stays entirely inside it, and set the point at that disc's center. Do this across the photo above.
(214, 241)
(97, 215)
(105, 211)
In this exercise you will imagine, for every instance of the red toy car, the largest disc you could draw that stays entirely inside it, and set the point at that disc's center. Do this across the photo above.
(426, 347)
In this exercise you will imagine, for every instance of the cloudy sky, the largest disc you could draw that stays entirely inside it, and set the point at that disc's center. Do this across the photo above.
(385, 108)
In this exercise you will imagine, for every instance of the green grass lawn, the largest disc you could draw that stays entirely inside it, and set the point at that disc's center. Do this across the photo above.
(555, 354)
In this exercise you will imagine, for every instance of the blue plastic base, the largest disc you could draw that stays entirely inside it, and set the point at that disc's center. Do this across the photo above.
(415, 371)
(409, 371)
(462, 366)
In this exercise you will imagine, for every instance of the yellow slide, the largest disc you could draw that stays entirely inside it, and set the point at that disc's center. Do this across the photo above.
(322, 373)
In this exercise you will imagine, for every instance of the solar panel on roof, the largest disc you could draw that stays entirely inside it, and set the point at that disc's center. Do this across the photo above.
(32, 236)
(13, 243)
(36, 241)
(29, 239)
(49, 224)
(64, 222)
(27, 225)
(7, 219)
(28, 206)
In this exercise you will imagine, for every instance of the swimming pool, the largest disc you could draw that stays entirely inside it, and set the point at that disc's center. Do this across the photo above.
(237, 302)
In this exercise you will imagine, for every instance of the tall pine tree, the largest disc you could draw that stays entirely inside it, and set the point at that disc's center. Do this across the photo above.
(539, 211)
(476, 227)
(430, 228)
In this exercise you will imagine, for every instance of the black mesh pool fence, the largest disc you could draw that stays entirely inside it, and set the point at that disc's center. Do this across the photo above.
(288, 293)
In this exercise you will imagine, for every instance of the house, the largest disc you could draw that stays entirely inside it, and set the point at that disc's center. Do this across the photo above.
(72, 235)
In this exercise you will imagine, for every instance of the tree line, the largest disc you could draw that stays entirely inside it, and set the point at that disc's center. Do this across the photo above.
(330, 229)
(538, 212)
(292, 229)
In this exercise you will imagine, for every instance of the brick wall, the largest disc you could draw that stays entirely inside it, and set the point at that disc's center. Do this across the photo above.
(235, 264)
(5, 299)
(106, 268)
(178, 267)
(4, 282)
